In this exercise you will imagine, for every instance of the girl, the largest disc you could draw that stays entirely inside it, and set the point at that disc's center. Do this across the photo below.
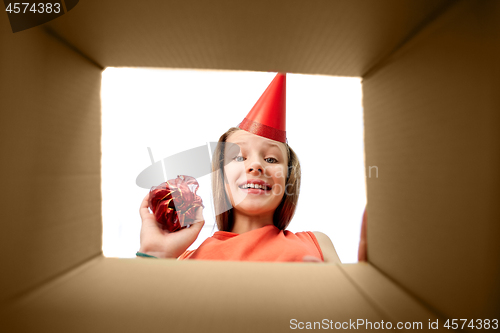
(256, 181)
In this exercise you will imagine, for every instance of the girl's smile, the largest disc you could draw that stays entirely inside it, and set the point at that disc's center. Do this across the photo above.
(255, 186)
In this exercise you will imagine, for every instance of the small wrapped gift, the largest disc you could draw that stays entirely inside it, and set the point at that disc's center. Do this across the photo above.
(174, 202)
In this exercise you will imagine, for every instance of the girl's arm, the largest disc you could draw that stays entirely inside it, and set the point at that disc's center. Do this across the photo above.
(362, 250)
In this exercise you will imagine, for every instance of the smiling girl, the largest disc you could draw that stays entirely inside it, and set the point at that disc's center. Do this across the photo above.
(256, 182)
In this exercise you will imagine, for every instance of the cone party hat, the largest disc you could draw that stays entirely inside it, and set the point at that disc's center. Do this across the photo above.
(268, 116)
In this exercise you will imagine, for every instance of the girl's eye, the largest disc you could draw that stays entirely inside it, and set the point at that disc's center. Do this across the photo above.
(268, 160)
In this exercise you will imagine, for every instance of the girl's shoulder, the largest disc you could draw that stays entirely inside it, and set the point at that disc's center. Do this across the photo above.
(326, 245)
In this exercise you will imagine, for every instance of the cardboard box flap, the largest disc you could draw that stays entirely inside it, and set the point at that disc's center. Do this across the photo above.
(432, 125)
(156, 295)
(50, 137)
(343, 38)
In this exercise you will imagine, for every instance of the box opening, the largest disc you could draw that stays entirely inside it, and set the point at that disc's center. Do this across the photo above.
(150, 114)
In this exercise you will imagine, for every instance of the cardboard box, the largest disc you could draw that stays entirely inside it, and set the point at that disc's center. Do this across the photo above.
(430, 83)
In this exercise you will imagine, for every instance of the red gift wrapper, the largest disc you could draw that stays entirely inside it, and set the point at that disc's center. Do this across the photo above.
(174, 202)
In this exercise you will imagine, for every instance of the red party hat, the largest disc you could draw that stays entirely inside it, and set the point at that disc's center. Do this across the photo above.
(268, 116)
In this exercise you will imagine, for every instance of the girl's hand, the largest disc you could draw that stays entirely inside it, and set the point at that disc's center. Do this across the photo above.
(161, 243)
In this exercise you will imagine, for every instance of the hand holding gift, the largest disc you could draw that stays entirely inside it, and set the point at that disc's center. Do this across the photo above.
(174, 202)
(175, 205)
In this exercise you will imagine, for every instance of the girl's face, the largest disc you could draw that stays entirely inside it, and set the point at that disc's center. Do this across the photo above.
(255, 173)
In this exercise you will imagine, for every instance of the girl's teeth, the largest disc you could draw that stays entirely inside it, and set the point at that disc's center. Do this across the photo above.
(263, 187)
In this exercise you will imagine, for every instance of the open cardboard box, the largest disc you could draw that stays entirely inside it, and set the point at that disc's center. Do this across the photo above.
(430, 74)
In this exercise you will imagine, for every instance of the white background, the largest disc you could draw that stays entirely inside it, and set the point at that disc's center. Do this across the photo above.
(174, 110)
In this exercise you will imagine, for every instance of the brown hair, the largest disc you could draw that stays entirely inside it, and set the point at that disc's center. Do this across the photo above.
(286, 209)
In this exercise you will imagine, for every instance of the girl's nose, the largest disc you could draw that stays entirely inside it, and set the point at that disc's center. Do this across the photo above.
(255, 168)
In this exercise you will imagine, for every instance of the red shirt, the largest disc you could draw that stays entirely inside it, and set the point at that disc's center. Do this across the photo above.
(267, 243)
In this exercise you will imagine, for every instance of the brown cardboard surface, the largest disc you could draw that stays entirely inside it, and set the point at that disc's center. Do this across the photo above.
(432, 128)
(151, 295)
(328, 37)
(50, 131)
(389, 298)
